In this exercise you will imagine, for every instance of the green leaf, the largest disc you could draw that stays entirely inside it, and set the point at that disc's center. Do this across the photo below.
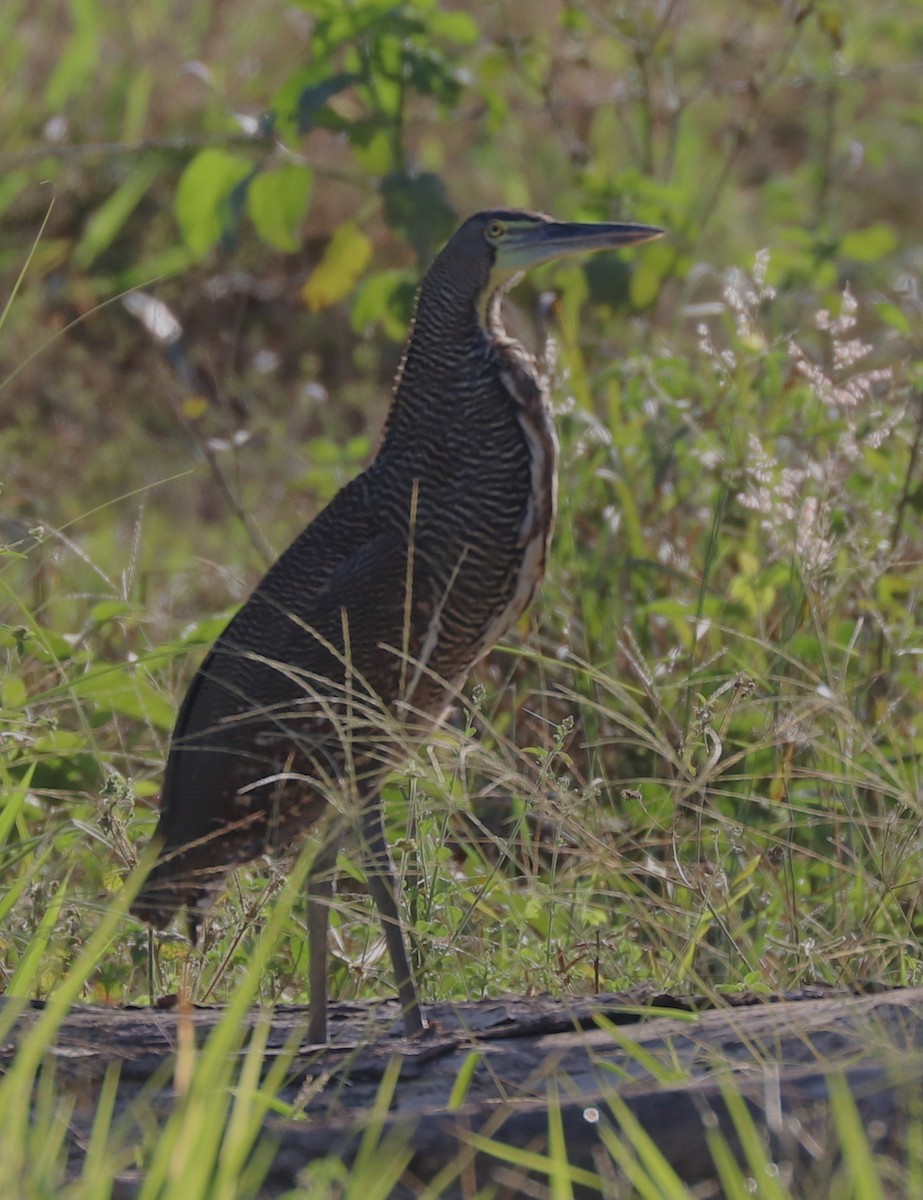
(302, 101)
(457, 27)
(417, 207)
(12, 692)
(58, 741)
(324, 451)
(109, 610)
(79, 61)
(358, 448)
(43, 644)
(122, 690)
(312, 99)
(105, 225)
(12, 185)
(870, 244)
(204, 632)
(894, 316)
(137, 104)
(277, 202)
(386, 298)
(463, 1080)
(373, 145)
(346, 257)
(831, 22)
(172, 260)
(202, 203)
(645, 285)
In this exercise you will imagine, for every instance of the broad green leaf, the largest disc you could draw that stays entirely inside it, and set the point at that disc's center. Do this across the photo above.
(869, 244)
(59, 741)
(301, 103)
(12, 691)
(358, 448)
(346, 257)
(313, 99)
(277, 201)
(121, 689)
(430, 74)
(417, 206)
(458, 27)
(202, 196)
(324, 451)
(386, 298)
(373, 145)
(894, 316)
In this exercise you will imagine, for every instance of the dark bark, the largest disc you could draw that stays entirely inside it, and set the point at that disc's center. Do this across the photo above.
(668, 1063)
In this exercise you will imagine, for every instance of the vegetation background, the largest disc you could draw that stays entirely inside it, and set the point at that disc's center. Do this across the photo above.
(695, 763)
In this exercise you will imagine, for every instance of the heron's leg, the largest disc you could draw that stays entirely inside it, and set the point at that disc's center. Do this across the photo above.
(380, 873)
(320, 893)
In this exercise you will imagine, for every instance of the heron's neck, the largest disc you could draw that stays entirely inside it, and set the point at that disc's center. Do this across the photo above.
(448, 369)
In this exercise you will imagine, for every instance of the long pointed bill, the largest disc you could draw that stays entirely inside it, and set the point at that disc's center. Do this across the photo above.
(533, 244)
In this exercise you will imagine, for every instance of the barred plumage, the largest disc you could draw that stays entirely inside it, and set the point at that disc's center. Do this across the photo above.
(355, 642)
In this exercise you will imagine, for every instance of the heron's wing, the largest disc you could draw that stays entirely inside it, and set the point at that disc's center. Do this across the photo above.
(299, 686)
(283, 601)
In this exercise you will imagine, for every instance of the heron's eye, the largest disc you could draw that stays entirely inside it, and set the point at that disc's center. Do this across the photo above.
(495, 230)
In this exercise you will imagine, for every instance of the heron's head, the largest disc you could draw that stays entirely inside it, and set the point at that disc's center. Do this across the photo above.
(492, 249)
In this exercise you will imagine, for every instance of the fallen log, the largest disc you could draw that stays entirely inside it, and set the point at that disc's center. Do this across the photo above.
(592, 1067)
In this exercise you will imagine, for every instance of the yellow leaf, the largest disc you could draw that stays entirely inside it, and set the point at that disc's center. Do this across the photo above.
(335, 276)
(194, 407)
(831, 23)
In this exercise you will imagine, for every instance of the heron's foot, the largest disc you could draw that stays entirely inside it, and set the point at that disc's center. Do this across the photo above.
(429, 1029)
(416, 1025)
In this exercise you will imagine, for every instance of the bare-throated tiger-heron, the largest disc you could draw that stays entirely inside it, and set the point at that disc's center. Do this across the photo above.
(357, 640)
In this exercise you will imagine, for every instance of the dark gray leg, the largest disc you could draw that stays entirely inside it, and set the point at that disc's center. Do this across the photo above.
(376, 858)
(320, 893)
